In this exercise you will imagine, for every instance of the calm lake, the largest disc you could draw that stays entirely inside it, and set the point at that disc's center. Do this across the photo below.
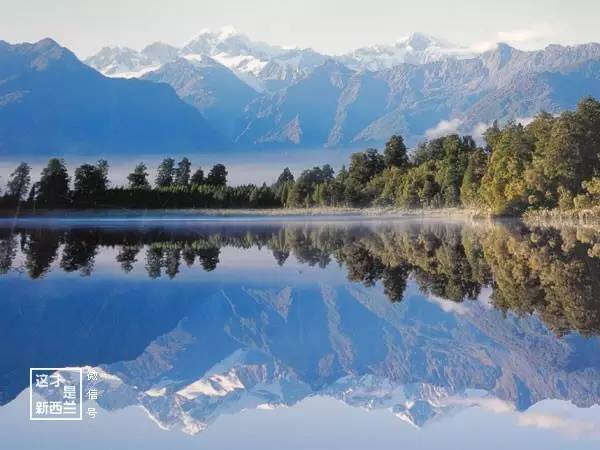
(321, 333)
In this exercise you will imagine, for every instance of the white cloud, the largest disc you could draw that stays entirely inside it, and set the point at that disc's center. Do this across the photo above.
(535, 33)
(526, 38)
(492, 404)
(485, 297)
(478, 131)
(564, 421)
(444, 128)
(565, 424)
(483, 46)
(448, 306)
(524, 120)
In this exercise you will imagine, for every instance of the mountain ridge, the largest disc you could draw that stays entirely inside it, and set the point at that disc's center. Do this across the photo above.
(250, 95)
(407, 88)
(51, 103)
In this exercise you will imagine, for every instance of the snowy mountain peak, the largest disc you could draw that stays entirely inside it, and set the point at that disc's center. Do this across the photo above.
(160, 52)
(422, 41)
(270, 67)
(222, 33)
(231, 42)
(121, 62)
(417, 48)
(245, 57)
(114, 51)
(227, 31)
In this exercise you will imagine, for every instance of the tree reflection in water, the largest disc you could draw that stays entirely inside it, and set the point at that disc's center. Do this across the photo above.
(550, 271)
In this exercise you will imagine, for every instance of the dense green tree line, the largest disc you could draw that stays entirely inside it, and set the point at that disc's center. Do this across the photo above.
(553, 162)
(174, 187)
(552, 272)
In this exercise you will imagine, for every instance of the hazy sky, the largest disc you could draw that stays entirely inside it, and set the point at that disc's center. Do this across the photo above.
(329, 26)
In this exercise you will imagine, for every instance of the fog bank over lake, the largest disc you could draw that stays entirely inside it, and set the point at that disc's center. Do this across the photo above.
(243, 167)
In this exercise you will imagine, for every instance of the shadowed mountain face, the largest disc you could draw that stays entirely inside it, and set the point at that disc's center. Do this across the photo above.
(52, 104)
(303, 114)
(208, 86)
(420, 319)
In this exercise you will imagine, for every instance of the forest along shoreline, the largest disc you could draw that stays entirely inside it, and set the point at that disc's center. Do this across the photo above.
(548, 169)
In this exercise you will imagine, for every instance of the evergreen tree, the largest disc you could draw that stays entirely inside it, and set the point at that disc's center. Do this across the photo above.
(182, 173)
(303, 191)
(91, 181)
(469, 191)
(432, 150)
(285, 177)
(492, 135)
(552, 162)
(198, 177)
(395, 154)
(217, 176)
(254, 197)
(53, 188)
(283, 185)
(450, 169)
(19, 181)
(392, 178)
(588, 119)
(327, 173)
(165, 173)
(338, 188)
(365, 165)
(138, 179)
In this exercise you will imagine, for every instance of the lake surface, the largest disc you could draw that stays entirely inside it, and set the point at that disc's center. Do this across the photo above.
(320, 334)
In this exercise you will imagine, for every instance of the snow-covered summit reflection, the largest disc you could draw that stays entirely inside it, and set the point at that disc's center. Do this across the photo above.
(416, 360)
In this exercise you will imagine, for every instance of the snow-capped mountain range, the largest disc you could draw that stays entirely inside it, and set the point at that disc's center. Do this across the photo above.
(418, 87)
(418, 48)
(248, 95)
(267, 67)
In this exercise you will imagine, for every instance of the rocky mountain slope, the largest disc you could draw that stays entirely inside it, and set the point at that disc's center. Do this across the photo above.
(365, 108)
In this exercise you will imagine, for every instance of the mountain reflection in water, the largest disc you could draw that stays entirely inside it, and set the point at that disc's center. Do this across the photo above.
(420, 318)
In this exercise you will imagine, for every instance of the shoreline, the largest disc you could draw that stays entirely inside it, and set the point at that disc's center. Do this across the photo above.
(542, 217)
(582, 217)
(325, 212)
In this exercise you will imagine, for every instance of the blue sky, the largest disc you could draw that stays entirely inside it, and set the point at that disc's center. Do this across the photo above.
(329, 26)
